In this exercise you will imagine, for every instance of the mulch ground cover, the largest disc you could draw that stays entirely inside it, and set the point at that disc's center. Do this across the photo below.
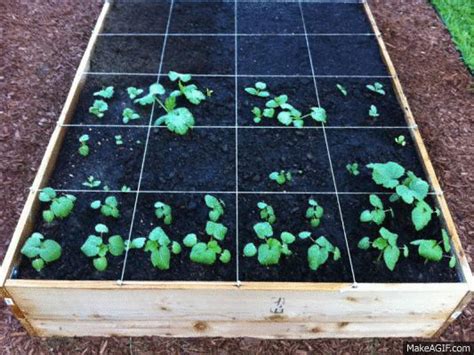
(41, 49)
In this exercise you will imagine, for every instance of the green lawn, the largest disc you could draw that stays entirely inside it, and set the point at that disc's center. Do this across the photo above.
(458, 15)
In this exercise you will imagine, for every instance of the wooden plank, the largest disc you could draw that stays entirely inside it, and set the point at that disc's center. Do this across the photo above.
(26, 222)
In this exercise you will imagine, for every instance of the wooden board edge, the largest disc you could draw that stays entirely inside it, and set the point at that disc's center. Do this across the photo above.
(463, 267)
(25, 222)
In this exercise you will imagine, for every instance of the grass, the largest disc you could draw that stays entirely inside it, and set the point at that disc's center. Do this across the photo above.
(458, 15)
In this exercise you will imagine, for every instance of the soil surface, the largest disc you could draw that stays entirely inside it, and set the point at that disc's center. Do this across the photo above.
(44, 46)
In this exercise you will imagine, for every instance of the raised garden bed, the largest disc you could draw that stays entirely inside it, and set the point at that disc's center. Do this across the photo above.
(298, 284)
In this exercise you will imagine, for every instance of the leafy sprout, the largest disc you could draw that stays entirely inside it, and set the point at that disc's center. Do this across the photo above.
(153, 91)
(91, 182)
(314, 213)
(378, 214)
(105, 93)
(191, 92)
(281, 177)
(118, 139)
(216, 205)
(376, 87)
(128, 115)
(125, 188)
(342, 89)
(267, 212)
(99, 108)
(60, 207)
(318, 253)
(259, 90)
(400, 140)
(373, 112)
(173, 76)
(353, 169)
(163, 211)
(41, 251)
(161, 248)
(109, 208)
(259, 114)
(84, 148)
(134, 92)
(209, 92)
(431, 250)
(319, 114)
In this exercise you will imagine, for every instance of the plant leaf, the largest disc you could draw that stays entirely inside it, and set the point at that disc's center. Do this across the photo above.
(250, 250)
(263, 230)
(391, 255)
(160, 258)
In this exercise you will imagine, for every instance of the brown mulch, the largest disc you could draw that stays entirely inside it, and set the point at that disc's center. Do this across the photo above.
(42, 43)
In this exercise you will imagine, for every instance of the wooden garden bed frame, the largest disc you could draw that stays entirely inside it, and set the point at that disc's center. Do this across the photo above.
(254, 309)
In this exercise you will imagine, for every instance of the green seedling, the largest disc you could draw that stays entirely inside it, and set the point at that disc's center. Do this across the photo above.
(387, 244)
(209, 92)
(377, 88)
(109, 208)
(318, 114)
(60, 207)
(216, 205)
(378, 214)
(269, 252)
(281, 177)
(259, 114)
(291, 116)
(41, 251)
(154, 91)
(173, 76)
(91, 182)
(353, 169)
(314, 213)
(163, 211)
(267, 213)
(134, 92)
(341, 89)
(105, 93)
(431, 250)
(84, 148)
(259, 90)
(178, 120)
(118, 139)
(99, 108)
(161, 248)
(106, 188)
(318, 253)
(191, 92)
(206, 253)
(373, 112)
(400, 140)
(125, 188)
(129, 115)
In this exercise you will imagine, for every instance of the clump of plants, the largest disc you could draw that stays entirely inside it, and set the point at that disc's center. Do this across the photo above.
(163, 211)
(353, 169)
(377, 214)
(314, 213)
(84, 147)
(279, 106)
(109, 208)
(319, 252)
(161, 248)
(60, 206)
(41, 251)
(267, 213)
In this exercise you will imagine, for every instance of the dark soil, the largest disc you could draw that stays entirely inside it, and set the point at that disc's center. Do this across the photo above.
(114, 165)
(190, 215)
(290, 213)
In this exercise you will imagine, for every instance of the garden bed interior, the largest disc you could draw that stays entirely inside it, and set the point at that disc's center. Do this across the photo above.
(301, 49)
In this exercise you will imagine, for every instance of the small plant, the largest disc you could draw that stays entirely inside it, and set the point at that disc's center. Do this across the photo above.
(216, 205)
(161, 248)
(105, 93)
(377, 88)
(318, 253)
(163, 211)
(209, 92)
(60, 207)
(378, 214)
(373, 112)
(314, 213)
(281, 177)
(430, 249)
(318, 114)
(269, 252)
(191, 92)
(206, 253)
(41, 251)
(259, 90)
(153, 91)
(91, 182)
(109, 208)
(266, 212)
(84, 148)
(128, 115)
(125, 188)
(259, 114)
(400, 140)
(134, 92)
(387, 244)
(353, 169)
(342, 89)
(99, 108)
(118, 139)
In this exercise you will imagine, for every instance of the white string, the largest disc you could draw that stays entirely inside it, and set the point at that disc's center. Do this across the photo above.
(236, 94)
(178, 34)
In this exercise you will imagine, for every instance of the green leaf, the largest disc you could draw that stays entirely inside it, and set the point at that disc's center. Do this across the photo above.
(391, 254)
(390, 237)
(366, 216)
(32, 245)
(342, 89)
(50, 250)
(192, 93)
(430, 250)
(98, 108)
(100, 263)
(190, 240)
(376, 201)
(216, 230)
(285, 118)
(116, 245)
(380, 243)
(421, 215)
(106, 93)
(178, 121)
(304, 235)
(373, 112)
(84, 150)
(175, 248)
(62, 207)
(158, 234)
(47, 194)
(91, 246)
(101, 228)
(317, 256)
(38, 264)
(250, 250)
(364, 243)
(160, 258)
(269, 112)
(260, 85)
(128, 115)
(378, 216)
(337, 254)
(214, 246)
(452, 262)
(136, 243)
(269, 254)
(133, 92)
(413, 188)
(202, 255)
(446, 243)
(182, 77)
(405, 251)
(225, 256)
(287, 237)
(319, 114)
(48, 216)
(263, 230)
(251, 91)
(377, 88)
(154, 89)
(386, 174)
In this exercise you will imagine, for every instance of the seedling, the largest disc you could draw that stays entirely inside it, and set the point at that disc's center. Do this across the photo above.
(400, 140)
(318, 253)
(270, 251)
(378, 214)
(373, 112)
(387, 244)
(91, 182)
(314, 213)
(41, 251)
(206, 253)
(125, 188)
(258, 114)
(161, 248)
(377, 88)
(191, 92)
(342, 89)
(216, 205)
(99, 108)
(153, 91)
(129, 115)
(84, 148)
(291, 117)
(105, 93)
(118, 139)
(353, 169)
(431, 250)
(259, 90)
(109, 208)
(60, 207)
(209, 92)
(134, 92)
(163, 211)
(266, 212)
(281, 177)
(319, 114)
